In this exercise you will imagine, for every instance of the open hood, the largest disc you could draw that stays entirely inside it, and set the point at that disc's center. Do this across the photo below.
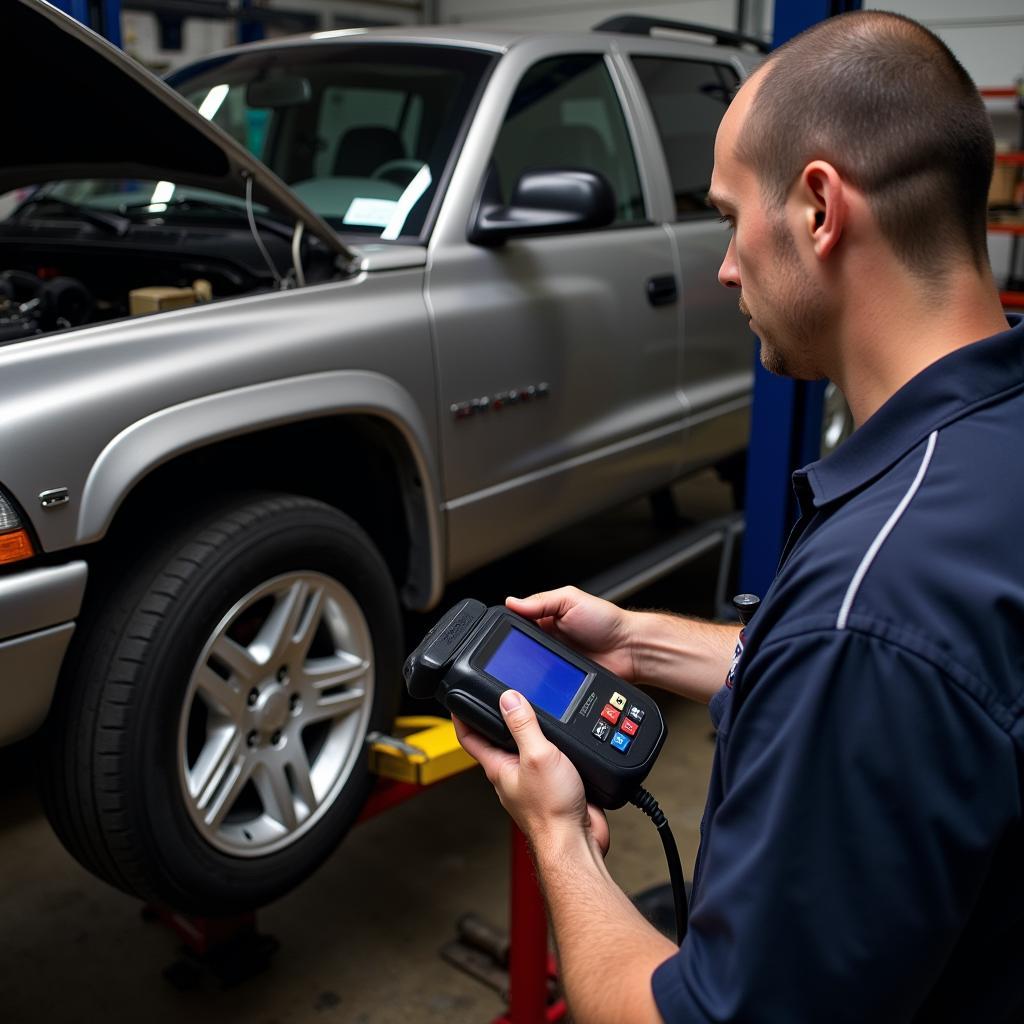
(81, 108)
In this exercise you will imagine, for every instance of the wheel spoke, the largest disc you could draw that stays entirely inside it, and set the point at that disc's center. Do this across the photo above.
(213, 764)
(341, 670)
(219, 694)
(334, 705)
(234, 782)
(272, 785)
(303, 634)
(277, 634)
(301, 778)
(219, 776)
(238, 660)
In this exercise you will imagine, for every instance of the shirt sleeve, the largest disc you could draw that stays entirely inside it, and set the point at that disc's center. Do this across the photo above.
(863, 795)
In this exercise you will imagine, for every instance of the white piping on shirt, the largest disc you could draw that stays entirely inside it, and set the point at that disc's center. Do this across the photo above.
(883, 533)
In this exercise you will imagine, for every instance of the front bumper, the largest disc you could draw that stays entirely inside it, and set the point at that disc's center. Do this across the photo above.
(37, 612)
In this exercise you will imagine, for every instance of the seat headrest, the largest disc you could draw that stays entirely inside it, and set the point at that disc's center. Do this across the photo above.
(362, 150)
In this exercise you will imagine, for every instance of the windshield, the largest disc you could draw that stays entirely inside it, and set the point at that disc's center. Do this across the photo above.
(362, 132)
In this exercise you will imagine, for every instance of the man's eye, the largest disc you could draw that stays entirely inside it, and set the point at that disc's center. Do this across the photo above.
(727, 221)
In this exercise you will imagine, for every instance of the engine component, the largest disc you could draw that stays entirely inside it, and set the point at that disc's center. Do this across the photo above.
(64, 302)
(30, 306)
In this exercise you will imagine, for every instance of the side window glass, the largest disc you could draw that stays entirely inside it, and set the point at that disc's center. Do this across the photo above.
(565, 113)
(688, 99)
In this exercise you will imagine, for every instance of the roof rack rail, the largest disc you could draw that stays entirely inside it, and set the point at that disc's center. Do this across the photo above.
(640, 25)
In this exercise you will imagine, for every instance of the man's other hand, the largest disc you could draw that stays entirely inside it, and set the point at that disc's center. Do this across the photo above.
(681, 655)
(538, 786)
(596, 628)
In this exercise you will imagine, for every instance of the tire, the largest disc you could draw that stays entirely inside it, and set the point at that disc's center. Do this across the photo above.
(206, 750)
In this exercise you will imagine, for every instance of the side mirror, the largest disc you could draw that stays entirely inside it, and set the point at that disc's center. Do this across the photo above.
(544, 202)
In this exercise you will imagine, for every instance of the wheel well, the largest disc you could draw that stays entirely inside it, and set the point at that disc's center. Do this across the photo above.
(359, 464)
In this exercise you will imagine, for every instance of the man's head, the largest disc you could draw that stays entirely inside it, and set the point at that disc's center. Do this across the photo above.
(867, 114)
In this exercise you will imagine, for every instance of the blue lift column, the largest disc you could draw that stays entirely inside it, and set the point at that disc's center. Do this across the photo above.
(785, 423)
(250, 30)
(102, 15)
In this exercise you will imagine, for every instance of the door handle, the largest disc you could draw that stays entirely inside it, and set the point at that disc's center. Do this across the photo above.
(662, 290)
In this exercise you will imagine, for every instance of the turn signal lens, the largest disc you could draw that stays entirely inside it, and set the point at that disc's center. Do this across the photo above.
(15, 546)
(15, 543)
(9, 519)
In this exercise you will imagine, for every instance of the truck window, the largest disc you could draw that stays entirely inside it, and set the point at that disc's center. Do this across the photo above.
(688, 99)
(565, 113)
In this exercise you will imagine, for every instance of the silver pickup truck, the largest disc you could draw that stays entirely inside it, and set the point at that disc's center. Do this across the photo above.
(287, 344)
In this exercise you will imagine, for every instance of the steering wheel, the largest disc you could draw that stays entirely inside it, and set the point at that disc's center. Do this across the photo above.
(400, 171)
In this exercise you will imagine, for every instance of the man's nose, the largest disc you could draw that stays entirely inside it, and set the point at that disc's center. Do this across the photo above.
(729, 271)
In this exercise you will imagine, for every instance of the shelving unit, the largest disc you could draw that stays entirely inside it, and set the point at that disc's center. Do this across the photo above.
(1008, 218)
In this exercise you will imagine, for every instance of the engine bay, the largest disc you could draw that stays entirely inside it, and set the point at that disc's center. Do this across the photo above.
(60, 273)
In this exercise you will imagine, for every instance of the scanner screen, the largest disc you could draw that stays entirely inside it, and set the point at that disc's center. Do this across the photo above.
(541, 676)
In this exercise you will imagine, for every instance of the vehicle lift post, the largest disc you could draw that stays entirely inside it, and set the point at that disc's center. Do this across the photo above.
(785, 422)
(102, 15)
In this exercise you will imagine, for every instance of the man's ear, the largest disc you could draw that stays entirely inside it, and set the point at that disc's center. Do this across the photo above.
(823, 205)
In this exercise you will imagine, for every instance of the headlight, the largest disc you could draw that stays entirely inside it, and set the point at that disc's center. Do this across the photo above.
(15, 543)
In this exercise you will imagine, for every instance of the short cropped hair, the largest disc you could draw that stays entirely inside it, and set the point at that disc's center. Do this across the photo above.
(883, 99)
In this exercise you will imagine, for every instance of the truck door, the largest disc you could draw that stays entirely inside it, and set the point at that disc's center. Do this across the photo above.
(688, 98)
(557, 372)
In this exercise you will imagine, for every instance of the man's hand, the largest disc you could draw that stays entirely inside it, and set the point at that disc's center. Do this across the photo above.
(598, 629)
(543, 792)
(539, 787)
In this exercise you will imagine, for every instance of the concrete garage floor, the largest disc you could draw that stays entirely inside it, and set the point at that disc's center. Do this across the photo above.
(359, 940)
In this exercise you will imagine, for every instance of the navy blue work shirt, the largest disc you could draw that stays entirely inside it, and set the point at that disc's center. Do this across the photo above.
(862, 856)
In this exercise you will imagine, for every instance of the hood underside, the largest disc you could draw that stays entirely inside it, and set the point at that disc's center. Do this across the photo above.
(81, 108)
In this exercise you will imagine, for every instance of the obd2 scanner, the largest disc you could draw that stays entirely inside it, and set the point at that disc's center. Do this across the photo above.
(610, 730)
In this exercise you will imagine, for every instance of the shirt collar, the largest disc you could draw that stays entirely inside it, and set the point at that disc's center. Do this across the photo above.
(939, 394)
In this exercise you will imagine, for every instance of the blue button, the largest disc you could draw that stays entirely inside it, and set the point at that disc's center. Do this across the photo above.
(621, 742)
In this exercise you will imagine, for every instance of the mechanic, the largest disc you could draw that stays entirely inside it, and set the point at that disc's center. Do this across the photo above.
(862, 844)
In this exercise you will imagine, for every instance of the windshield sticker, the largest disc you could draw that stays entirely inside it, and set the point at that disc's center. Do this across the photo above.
(375, 213)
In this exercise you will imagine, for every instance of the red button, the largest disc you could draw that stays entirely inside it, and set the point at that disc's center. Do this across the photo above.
(610, 714)
(629, 727)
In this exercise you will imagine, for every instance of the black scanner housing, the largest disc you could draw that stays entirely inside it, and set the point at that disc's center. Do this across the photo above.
(448, 665)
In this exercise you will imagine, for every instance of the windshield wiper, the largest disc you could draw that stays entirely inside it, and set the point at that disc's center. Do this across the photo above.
(109, 221)
(186, 203)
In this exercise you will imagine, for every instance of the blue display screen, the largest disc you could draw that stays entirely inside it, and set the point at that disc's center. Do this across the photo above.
(539, 674)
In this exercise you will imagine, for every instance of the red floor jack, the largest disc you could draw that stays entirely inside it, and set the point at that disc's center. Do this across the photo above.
(228, 948)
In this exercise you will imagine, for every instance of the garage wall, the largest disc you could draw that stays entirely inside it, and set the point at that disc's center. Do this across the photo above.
(987, 37)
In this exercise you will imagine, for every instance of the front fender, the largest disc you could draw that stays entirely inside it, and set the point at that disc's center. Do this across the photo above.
(156, 439)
